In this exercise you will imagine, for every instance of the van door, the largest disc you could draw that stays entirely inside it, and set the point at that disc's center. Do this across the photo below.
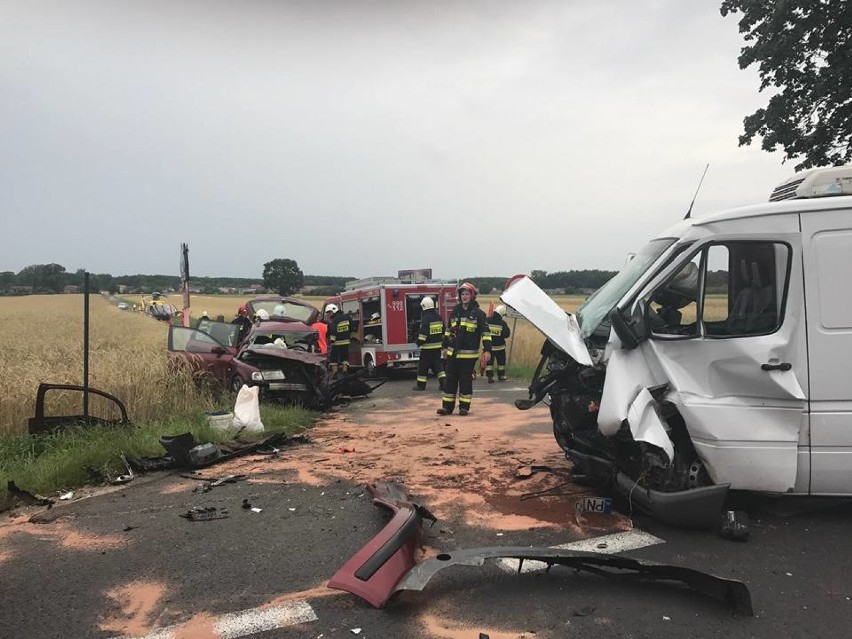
(827, 248)
(726, 335)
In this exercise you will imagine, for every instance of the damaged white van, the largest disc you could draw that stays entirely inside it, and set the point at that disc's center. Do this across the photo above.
(719, 358)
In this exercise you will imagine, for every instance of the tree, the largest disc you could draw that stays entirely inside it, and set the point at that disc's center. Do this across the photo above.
(283, 275)
(804, 49)
(44, 278)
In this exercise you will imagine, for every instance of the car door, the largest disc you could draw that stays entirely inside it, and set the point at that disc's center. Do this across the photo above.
(827, 248)
(202, 351)
(725, 331)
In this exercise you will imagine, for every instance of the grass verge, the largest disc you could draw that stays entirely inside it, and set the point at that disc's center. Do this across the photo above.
(78, 456)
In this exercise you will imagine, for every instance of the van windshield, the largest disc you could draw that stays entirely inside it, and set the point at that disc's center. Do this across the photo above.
(596, 309)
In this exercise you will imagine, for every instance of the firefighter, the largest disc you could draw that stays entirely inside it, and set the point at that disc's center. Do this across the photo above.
(467, 326)
(339, 337)
(499, 332)
(430, 340)
(203, 323)
(244, 322)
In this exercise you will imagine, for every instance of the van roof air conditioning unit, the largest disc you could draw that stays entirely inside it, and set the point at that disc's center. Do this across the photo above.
(835, 180)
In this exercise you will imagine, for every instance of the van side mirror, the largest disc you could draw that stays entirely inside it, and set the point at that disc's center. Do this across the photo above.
(632, 330)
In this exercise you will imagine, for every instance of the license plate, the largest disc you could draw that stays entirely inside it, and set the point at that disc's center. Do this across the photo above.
(601, 505)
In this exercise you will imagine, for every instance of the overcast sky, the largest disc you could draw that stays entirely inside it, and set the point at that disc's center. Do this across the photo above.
(358, 138)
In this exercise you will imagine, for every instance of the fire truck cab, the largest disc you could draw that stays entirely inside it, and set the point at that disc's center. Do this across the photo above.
(385, 318)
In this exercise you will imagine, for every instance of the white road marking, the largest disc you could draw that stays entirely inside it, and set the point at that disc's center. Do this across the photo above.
(246, 622)
(606, 545)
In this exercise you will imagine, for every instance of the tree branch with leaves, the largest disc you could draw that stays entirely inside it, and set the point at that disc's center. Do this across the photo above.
(803, 49)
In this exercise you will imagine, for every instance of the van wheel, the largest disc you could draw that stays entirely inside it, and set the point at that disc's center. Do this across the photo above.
(236, 384)
(370, 366)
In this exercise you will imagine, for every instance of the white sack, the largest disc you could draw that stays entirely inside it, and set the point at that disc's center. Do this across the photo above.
(247, 410)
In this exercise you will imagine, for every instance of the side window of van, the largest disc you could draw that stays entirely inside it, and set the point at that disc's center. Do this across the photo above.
(744, 288)
(674, 305)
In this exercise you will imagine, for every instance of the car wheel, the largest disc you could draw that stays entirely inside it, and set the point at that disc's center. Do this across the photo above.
(236, 384)
(370, 366)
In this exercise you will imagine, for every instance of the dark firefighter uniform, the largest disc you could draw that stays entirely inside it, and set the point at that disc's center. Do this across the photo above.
(465, 329)
(430, 340)
(339, 337)
(499, 332)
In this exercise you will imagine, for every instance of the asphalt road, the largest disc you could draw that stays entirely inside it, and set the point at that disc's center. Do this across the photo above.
(125, 563)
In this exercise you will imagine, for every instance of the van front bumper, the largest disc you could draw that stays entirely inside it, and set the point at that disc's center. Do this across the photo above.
(693, 508)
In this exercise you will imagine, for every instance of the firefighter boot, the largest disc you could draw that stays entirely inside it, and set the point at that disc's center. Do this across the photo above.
(421, 384)
(449, 403)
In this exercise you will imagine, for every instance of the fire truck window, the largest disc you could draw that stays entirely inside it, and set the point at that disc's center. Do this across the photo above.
(353, 310)
(412, 316)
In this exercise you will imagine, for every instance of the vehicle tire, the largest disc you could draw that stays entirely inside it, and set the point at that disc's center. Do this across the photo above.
(236, 384)
(369, 366)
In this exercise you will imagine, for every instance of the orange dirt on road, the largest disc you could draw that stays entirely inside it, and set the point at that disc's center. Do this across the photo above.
(456, 466)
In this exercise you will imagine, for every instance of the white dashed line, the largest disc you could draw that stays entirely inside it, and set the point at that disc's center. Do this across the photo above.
(246, 622)
(605, 545)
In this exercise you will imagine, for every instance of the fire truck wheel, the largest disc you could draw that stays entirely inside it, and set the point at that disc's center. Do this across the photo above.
(369, 366)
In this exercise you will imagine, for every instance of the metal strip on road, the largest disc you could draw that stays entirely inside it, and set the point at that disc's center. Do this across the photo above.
(247, 622)
(605, 545)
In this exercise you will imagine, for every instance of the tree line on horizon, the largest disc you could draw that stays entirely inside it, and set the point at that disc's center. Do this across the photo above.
(53, 278)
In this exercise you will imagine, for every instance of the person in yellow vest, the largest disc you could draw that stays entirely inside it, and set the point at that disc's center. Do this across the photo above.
(339, 338)
(430, 339)
(499, 332)
(467, 327)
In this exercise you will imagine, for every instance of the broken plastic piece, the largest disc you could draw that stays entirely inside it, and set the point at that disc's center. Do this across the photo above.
(205, 513)
(735, 526)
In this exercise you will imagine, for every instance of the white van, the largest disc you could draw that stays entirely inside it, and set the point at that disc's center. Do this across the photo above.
(719, 358)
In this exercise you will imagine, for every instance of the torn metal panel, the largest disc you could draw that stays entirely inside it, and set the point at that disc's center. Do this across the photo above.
(627, 374)
(734, 593)
(546, 315)
(646, 425)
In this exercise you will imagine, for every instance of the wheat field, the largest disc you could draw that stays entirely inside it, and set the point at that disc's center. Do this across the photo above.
(43, 342)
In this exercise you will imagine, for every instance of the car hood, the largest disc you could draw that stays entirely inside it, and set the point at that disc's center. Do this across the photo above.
(285, 353)
(546, 315)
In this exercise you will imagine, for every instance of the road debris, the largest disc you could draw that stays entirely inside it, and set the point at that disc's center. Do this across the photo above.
(735, 526)
(386, 564)
(199, 513)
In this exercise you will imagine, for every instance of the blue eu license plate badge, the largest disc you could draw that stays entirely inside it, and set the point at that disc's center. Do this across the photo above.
(601, 505)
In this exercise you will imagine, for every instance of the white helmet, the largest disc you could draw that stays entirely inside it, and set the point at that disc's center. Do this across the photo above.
(278, 310)
(331, 308)
(204, 314)
(427, 303)
(500, 309)
(263, 314)
(375, 316)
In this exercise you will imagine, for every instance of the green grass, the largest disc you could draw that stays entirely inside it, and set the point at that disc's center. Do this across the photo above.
(78, 456)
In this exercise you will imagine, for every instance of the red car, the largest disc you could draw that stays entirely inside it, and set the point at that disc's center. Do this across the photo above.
(279, 353)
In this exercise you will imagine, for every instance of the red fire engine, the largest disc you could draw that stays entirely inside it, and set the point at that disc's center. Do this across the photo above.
(385, 318)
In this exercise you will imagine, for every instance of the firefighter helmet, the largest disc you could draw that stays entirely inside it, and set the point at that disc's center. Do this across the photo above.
(375, 317)
(242, 310)
(470, 287)
(427, 303)
(263, 314)
(500, 310)
(331, 308)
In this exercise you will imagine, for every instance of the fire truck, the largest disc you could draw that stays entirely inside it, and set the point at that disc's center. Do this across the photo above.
(384, 313)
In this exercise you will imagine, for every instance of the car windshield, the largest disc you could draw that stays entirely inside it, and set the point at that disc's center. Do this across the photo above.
(595, 309)
(279, 308)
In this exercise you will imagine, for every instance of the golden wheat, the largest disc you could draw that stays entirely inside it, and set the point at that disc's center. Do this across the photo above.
(43, 342)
